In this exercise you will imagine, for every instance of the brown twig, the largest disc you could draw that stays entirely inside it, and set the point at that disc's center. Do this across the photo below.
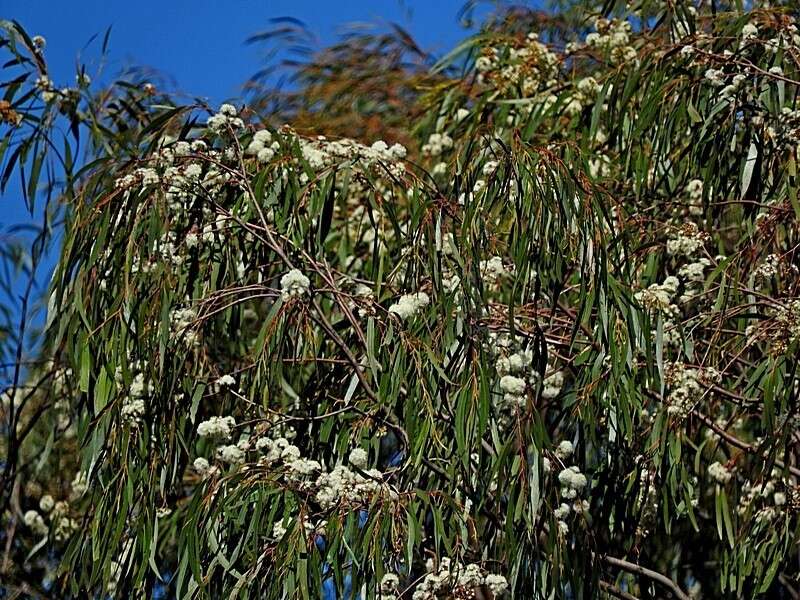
(649, 573)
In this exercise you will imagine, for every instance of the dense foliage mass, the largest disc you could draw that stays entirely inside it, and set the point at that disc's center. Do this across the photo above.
(538, 341)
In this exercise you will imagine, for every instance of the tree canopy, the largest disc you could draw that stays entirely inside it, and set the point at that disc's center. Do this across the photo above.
(521, 321)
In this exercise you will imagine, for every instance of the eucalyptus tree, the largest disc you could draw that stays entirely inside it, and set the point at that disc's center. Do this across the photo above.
(538, 340)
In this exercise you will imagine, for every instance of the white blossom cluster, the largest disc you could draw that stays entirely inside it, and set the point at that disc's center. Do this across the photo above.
(262, 146)
(493, 269)
(203, 467)
(453, 579)
(377, 159)
(686, 241)
(294, 284)
(280, 528)
(233, 454)
(517, 376)
(768, 268)
(528, 65)
(692, 275)
(133, 395)
(437, 144)
(224, 119)
(36, 522)
(694, 190)
(181, 320)
(765, 500)
(719, 473)
(715, 77)
(389, 588)
(572, 483)
(585, 91)
(787, 322)
(694, 272)
(409, 305)
(61, 524)
(687, 385)
(330, 488)
(612, 37)
(646, 499)
(339, 485)
(217, 427)
(658, 297)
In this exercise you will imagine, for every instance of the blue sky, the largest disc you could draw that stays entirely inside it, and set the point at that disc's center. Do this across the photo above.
(199, 45)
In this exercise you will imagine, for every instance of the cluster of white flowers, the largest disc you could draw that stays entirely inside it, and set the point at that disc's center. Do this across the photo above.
(343, 485)
(719, 473)
(359, 458)
(715, 77)
(63, 525)
(181, 321)
(389, 588)
(552, 385)
(512, 369)
(787, 320)
(646, 498)
(457, 580)
(133, 402)
(57, 513)
(294, 284)
(695, 271)
(613, 38)
(437, 144)
(46, 88)
(231, 453)
(217, 427)
(516, 376)
(585, 91)
(408, 305)
(765, 499)
(309, 528)
(687, 385)
(493, 269)
(768, 268)
(377, 159)
(514, 363)
(658, 296)
(132, 411)
(528, 66)
(749, 31)
(226, 381)
(513, 389)
(35, 522)
(572, 482)
(185, 178)
(686, 241)
(692, 275)
(224, 119)
(599, 166)
(736, 84)
(46, 503)
(564, 450)
(262, 146)
(202, 466)
(694, 189)
(330, 488)
(79, 484)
